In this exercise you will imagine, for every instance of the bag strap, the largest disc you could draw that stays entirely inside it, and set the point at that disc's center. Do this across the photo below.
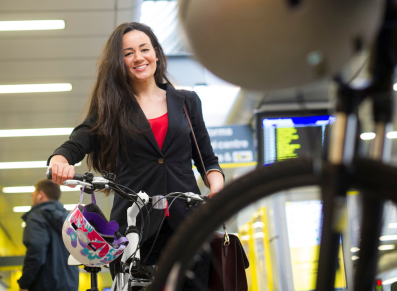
(206, 182)
(93, 200)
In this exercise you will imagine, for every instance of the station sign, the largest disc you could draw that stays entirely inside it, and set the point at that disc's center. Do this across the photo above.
(233, 145)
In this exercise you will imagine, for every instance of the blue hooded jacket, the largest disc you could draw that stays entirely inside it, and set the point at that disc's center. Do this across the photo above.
(46, 262)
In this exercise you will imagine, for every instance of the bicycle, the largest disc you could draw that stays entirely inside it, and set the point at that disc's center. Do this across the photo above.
(342, 171)
(130, 274)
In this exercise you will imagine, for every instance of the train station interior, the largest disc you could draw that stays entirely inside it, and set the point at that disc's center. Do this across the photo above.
(46, 77)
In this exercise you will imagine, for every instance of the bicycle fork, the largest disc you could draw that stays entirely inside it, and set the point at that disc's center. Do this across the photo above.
(334, 187)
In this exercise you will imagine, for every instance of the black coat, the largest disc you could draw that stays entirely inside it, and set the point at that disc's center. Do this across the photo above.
(147, 168)
(45, 266)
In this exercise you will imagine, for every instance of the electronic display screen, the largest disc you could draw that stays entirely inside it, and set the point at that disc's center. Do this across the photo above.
(285, 137)
(304, 237)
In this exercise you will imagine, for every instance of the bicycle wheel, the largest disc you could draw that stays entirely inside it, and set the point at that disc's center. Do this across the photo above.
(188, 239)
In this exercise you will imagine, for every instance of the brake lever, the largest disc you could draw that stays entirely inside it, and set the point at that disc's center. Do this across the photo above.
(194, 196)
(77, 183)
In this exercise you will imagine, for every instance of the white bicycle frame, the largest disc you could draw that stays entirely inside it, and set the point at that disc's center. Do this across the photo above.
(120, 282)
(123, 281)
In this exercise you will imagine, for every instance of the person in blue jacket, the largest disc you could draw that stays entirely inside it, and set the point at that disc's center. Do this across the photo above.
(46, 261)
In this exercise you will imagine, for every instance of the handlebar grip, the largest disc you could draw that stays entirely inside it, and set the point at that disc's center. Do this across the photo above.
(49, 174)
(79, 177)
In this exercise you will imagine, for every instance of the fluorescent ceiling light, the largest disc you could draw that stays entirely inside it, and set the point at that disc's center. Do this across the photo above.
(22, 189)
(245, 237)
(389, 281)
(259, 235)
(258, 225)
(36, 132)
(354, 249)
(388, 237)
(27, 208)
(367, 135)
(70, 206)
(21, 208)
(26, 165)
(32, 25)
(392, 225)
(355, 258)
(395, 87)
(386, 247)
(35, 88)
(391, 134)
(30, 189)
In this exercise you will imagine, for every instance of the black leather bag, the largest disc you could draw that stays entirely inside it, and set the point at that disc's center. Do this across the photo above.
(229, 260)
(228, 265)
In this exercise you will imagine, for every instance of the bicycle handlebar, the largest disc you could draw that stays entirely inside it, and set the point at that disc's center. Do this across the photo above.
(78, 177)
(107, 182)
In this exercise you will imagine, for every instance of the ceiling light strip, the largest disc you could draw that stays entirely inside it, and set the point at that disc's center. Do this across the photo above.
(386, 247)
(27, 208)
(388, 237)
(36, 132)
(372, 135)
(30, 189)
(35, 88)
(21, 208)
(389, 281)
(26, 165)
(367, 135)
(32, 25)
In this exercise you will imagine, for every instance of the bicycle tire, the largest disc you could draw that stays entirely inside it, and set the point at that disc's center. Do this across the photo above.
(366, 174)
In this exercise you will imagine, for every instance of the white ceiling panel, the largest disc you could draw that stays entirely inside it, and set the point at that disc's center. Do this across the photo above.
(46, 71)
(55, 5)
(29, 148)
(128, 4)
(67, 113)
(37, 102)
(126, 16)
(76, 23)
(41, 120)
(51, 48)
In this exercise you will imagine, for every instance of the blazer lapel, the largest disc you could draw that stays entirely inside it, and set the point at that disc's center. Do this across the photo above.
(175, 101)
(138, 118)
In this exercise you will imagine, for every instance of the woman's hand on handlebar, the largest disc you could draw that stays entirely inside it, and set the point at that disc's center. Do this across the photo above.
(215, 179)
(61, 170)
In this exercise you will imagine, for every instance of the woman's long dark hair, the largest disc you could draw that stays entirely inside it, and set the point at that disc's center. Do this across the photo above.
(113, 95)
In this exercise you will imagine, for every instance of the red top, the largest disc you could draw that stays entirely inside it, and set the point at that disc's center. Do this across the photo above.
(159, 127)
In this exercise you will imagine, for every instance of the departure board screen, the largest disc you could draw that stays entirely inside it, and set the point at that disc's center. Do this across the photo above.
(291, 137)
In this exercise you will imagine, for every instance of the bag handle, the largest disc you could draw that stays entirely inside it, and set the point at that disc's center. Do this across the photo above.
(206, 182)
(226, 240)
(93, 200)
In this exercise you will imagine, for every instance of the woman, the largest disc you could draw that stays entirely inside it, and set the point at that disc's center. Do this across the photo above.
(136, 128)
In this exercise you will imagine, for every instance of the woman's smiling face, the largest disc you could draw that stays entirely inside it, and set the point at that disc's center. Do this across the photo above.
(139, 56)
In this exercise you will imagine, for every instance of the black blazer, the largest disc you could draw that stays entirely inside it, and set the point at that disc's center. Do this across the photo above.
(155, 171)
